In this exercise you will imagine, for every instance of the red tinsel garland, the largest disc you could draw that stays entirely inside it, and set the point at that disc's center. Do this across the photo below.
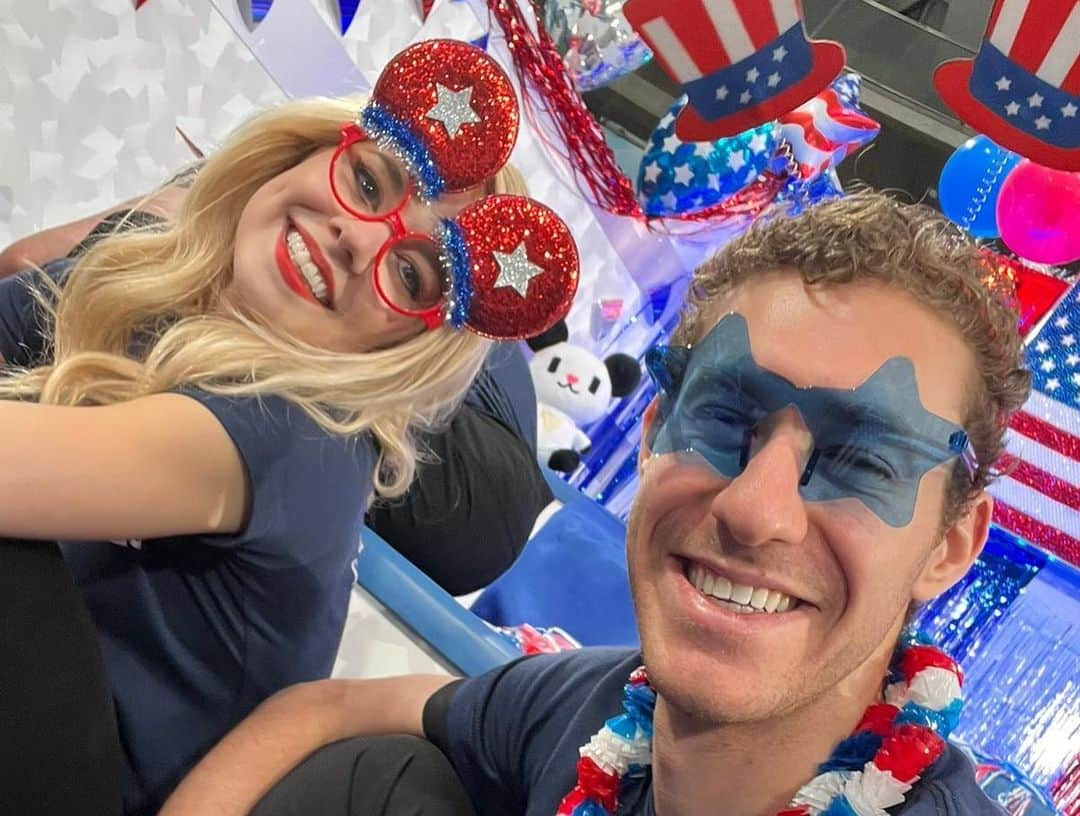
(538, 64)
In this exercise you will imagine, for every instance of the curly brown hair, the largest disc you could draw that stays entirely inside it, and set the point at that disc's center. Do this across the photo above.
(870, 236)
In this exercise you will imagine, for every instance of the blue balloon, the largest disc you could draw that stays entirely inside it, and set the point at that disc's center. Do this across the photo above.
(680, 177)
(970, 183)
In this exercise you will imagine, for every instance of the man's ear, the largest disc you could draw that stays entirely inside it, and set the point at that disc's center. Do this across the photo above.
(647, 420)
(956, 551)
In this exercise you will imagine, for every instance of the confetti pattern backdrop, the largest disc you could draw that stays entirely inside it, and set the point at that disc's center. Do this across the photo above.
(91, 93)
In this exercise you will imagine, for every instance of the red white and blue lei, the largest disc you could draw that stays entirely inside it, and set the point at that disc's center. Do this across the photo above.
(868, 773)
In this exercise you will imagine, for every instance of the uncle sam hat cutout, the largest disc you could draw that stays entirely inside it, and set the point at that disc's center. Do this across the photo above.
(1023, 87)
(741, 63)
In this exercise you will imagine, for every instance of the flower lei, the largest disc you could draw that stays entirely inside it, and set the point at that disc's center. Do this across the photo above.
(870, 771)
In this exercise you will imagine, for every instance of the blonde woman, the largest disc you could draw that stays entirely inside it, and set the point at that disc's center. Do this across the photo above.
(202, 414)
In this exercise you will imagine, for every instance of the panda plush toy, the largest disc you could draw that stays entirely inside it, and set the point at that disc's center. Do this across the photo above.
(573, 389)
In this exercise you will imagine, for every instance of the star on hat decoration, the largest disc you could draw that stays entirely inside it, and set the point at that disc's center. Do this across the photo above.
(516, 270)
(1023, 87)
(740, 64)
(453, 109)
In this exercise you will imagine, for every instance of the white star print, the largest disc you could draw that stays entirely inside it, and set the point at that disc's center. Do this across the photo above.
(669, 201)
(683, 174)
(714, 181)
(752, 75)
(1072, 359)
(736, 162)
(744, 97)
(671, 143)
(1062, 322)
(751, 176)
(1004, 84)
(454, 109)
(1076, 379)
(1012, 108)
(774, 79)
(1035, 100)
(1042, 347)
(703, 149)
(1053, 384)
(652, 171)
(516, 270)
(1042, 123)
(778, 54)
(757, 143)
(1068, 341)
(722, 92)
(1069, 111)
(1047, 365)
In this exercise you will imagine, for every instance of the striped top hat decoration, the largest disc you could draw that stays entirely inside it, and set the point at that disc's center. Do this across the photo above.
(741, 63)
(1023, 87)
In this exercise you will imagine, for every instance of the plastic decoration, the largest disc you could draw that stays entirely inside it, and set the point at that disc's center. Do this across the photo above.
(796, 194)
(530, 640)
(867, 772)
(514, 268)
(1038, 213)
(539, 66)
(597, 43)
(445, 106)
(1029, 291)
(971, 182)
(682, 177)
(741, 65)
(828, 128)
(259, 10)
(1023, 87)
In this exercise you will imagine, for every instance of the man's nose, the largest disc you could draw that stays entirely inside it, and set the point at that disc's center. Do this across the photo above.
(762, 503)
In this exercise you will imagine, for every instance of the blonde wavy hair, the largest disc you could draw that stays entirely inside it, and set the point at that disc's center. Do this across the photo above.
(143, 312)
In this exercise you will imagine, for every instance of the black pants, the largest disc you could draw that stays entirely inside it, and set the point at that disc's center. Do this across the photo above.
(59, 750)
(370, 776)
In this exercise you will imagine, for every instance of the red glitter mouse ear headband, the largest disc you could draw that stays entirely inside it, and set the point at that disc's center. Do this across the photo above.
(447, 111)
(513, 268)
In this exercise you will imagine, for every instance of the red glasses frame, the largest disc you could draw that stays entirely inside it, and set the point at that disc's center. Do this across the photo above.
(352, 133)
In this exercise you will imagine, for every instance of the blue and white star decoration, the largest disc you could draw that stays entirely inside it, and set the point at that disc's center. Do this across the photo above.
(680, 177)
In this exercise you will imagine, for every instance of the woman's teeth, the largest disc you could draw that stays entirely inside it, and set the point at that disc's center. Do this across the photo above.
(738, 597)
(302, 258)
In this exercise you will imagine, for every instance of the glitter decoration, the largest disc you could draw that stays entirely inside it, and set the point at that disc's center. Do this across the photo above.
(467, 151)
(1039, 497)
(515, 226)
(453, 109)
(393, 136)
(455, 257)
(516, 270)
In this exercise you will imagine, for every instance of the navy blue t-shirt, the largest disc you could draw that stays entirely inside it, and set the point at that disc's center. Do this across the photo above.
(513, 736)
(197, 630)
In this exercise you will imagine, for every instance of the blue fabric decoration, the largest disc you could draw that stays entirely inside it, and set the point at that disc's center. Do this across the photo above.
(259, 9)
(456, 260)
(839, 807)
(639, 702)
(573, 566)
(389, 133)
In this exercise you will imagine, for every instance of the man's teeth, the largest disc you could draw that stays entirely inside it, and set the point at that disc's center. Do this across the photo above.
(302, 258)
(739, 597)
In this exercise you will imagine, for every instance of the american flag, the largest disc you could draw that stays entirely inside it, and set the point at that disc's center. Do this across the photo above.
(1039, 498)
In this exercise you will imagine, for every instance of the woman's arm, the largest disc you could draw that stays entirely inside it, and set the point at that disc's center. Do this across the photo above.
(57, 242)
(285, 729)
(156, 466)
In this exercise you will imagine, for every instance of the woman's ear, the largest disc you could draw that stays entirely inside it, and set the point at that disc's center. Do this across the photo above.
(956, 552)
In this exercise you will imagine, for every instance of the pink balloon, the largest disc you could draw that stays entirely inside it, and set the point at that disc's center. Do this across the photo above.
(1038, 213)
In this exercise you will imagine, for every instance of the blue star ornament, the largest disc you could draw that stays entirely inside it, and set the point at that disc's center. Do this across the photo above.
(680, 177)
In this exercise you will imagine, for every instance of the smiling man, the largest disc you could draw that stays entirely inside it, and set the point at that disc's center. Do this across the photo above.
(813, 467)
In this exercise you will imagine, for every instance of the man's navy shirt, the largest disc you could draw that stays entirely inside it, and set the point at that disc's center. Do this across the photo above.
(513, 736)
